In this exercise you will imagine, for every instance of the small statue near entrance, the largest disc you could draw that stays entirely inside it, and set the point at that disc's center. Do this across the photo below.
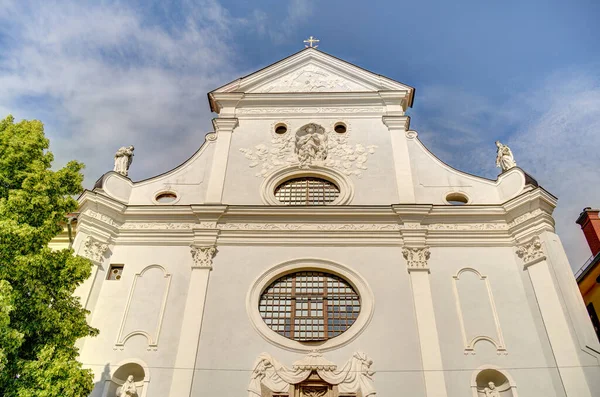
(123, 159)
(504, 158)
(128, 389)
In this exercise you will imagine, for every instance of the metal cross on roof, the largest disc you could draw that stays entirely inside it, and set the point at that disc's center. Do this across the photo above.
(311, 42)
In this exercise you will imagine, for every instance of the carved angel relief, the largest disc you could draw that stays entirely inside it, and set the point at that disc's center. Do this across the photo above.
(310, 145)
(311, 78)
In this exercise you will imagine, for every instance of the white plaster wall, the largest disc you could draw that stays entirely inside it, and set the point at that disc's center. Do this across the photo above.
(113, 295)
(230, 344)
(524, 342)
(373, 187)
(189, 181)
(572, 304)
(434, 180)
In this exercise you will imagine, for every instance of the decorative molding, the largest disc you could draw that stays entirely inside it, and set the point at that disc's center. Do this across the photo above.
(525, 217)
(203, 256)
(94, 249)
(467, 226)
(206, 225)
(416, 258)
(211, 136)
(531, 252)
(323, 226)
(313, 227)
(367, 301)
(101, 217)
(157, 226)
(470, 343)
(411, 134)
(151, 338)
(354, 377)
(314, 361)
(308, 110)
(336, 152)
(310, 78)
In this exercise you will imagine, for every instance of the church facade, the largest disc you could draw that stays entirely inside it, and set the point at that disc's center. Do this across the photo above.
(313, 247)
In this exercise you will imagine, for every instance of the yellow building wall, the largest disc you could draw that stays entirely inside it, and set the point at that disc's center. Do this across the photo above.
(590, 290)
(61, 241)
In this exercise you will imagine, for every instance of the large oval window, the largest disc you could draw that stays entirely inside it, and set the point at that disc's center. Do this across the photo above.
(309, 306)
(307, 191)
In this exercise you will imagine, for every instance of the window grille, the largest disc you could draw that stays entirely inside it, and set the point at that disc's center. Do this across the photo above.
(309, 306)
(307, 191)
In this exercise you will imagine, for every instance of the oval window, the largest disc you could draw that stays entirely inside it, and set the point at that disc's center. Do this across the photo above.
(309, 306)
(457, 199)
(280, 129)
(340, 128)
(307, 191)
(165, 198)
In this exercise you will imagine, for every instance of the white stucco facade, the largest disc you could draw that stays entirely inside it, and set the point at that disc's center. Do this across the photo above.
(452, 296)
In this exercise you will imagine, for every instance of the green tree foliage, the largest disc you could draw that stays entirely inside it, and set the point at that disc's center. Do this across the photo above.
(40, 319)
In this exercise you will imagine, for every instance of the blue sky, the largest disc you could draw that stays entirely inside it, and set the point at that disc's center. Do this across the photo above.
(108, 73)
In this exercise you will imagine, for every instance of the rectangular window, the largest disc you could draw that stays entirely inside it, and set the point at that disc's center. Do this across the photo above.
(115, 272)
(594, 318)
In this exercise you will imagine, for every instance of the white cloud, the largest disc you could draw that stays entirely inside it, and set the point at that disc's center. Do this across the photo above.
(107, 76)
(553, 130)
(560, 146)
(279, 30)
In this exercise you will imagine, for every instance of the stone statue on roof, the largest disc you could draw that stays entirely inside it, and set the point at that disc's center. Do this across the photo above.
(504, 158)
(123, 159)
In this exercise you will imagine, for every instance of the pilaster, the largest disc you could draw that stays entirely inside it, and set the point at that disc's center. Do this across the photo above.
(224, 129)
(94, 249)
(398, 127)
(533, 255)
(418, 268)
(191, 325)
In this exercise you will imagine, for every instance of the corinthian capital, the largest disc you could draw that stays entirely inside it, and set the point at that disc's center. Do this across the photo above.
(203, 256)
(531, 251)
(416, 258)
(94, 249)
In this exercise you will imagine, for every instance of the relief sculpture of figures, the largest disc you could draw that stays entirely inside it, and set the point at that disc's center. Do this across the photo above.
(128, 389)
(504, 158)
(123, 159)
(311, 144)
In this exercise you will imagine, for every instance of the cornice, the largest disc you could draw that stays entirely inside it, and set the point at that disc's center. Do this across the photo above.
(397, 122)
(311, 103)
(434, 225)
(224, 124)
(91, 198)
(530, 200)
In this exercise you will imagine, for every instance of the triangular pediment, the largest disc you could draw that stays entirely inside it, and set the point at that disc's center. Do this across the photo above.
(311, 70)
(311, 78)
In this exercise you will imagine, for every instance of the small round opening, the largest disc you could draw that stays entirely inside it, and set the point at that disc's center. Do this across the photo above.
(280, 129)
(340, 128)
(457, 199)
(167, 197)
